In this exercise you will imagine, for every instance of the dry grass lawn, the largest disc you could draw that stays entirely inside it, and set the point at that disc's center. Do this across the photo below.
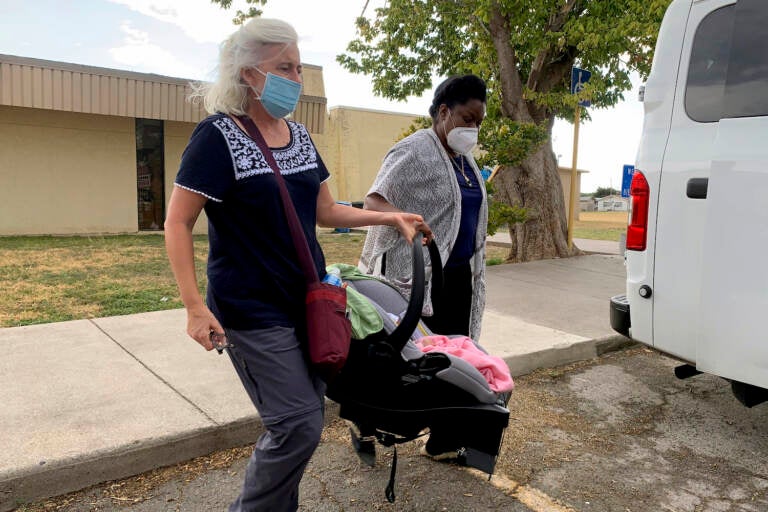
(608, 218)
(52, 279)
(49, 279)
(595, 226)
(600, 225)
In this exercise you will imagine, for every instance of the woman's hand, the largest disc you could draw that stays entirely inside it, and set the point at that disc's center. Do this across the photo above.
(201, 323)
(408, 224)
(183, 209)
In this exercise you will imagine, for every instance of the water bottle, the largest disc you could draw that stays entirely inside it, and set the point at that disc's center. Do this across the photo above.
(333, 277)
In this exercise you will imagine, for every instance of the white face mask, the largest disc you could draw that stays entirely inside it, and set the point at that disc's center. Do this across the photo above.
(461, 139)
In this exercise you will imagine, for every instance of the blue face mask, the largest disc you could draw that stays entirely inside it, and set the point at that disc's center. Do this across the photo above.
(279, 96)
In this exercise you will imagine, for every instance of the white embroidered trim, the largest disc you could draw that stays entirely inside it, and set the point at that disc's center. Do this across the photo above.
(198, 192)
(284, 173)
(299, 156)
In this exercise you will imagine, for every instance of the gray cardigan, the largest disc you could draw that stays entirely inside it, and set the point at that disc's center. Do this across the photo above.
(417, 176)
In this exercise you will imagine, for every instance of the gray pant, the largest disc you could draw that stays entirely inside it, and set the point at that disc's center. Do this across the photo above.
(289, 398)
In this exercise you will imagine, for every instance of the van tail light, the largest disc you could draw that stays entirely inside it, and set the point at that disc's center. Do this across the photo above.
(637, 231)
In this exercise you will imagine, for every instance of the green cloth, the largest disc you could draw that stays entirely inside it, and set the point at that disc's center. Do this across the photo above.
(350, 272)
(363, 316)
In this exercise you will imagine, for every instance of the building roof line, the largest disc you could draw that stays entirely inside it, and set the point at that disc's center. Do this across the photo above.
(92, 70)
(67, 87)
(102, 71)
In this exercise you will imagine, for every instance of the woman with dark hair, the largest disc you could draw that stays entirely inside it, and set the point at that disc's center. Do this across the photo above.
(432, 173)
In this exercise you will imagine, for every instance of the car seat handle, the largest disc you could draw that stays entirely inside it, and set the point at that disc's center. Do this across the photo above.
(402, 333)
(437, 268)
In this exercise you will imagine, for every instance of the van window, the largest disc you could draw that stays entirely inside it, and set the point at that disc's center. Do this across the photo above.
(705, 86)
(746, 90)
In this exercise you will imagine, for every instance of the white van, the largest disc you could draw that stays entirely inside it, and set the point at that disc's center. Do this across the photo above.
(697, 241)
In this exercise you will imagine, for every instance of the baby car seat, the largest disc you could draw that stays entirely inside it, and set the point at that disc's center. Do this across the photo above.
(393, 392)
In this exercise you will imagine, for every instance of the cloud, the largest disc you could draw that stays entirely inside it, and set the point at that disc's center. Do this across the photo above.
(141, 54)
(200, 20)
(325, 27)
(324, 32)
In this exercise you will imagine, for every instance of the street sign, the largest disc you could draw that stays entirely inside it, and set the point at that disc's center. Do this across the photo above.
(626, 179)
(579, 77)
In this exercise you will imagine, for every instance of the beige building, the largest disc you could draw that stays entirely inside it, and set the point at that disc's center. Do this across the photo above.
(94, 150)
(565, 181)
(356, 141)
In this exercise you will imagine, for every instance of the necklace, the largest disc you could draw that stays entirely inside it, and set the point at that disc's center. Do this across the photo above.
(461, 170)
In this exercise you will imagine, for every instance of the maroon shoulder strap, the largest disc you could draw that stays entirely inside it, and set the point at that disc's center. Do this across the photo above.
(297, 233)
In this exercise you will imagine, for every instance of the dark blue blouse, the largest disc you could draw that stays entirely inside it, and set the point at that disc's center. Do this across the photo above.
(471, 201)
(254, 277)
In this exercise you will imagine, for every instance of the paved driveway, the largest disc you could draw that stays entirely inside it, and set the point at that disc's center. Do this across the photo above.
(615, 434)
(626, 435)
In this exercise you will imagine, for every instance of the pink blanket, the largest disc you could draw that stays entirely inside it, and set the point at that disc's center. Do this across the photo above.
(494, 369)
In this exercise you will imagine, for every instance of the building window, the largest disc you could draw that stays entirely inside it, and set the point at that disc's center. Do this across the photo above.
(150, 174)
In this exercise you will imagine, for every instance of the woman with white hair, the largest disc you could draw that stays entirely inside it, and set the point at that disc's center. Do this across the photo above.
(256, 288)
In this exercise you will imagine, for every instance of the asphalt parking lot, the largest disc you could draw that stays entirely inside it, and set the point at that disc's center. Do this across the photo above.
(619, 433)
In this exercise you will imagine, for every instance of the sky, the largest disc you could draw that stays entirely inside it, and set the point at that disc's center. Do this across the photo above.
(181, 38)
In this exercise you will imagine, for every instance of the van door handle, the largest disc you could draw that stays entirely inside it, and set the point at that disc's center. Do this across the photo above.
(697, 188)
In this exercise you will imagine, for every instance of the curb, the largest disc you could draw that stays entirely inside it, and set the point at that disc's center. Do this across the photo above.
(581, 351)
(61, 477)
(68, 475)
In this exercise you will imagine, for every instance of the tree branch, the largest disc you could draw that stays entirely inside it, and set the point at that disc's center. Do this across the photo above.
(364, 8)
(557, 69)
(512, 103)
(543, 59)
(483, 25)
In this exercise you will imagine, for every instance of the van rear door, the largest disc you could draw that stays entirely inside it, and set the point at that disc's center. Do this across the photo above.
(734, 267)
(687, 160)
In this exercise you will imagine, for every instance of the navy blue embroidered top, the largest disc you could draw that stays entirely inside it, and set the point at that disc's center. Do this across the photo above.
(254, 278)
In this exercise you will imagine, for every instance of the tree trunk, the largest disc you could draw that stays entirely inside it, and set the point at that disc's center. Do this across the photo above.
(536, 186)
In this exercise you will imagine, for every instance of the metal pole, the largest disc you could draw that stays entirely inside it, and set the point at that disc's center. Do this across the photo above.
(573, 201)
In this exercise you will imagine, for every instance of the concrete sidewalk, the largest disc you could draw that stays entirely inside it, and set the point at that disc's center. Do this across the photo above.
(585, 244)
(94, 400)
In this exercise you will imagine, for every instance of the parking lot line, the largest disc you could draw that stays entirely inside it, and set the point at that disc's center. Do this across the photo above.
(534, 499)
